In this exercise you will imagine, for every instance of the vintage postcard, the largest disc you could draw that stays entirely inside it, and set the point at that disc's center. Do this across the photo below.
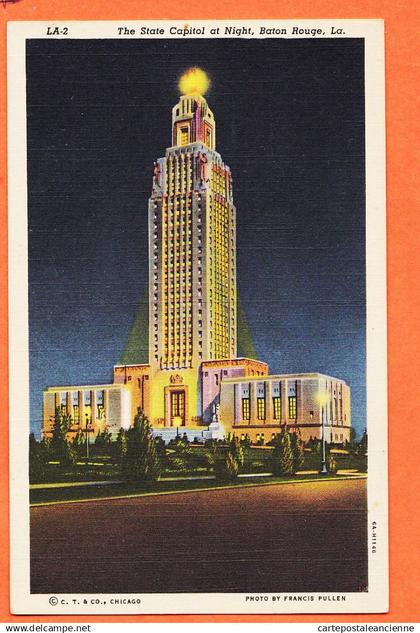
(198, 405)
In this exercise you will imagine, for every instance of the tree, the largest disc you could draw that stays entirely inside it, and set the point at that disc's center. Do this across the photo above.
(161, 452)
(140, 460)
(121, 444)
(226, 467)
(296, 448)
(38, 459)
(361, 452)
(351, 444)
(282, 457)
(237, 450)
(228, 459)
(160, 446)
(246, 441)
(60, 449)
(78, 444)
(363, 444)
(102, 444)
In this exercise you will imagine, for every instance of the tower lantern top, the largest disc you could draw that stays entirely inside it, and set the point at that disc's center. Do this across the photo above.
(192, 119)
(194, 82)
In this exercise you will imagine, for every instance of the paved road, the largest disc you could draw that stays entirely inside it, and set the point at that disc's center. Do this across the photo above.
(302, 537)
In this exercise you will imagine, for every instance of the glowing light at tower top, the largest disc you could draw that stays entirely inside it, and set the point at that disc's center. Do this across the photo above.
(194, 81)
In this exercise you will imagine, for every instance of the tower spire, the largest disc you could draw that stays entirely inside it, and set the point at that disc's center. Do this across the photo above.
(192, 119)
(192, 122)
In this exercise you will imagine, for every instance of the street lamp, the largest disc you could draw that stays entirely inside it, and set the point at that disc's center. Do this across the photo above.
(176, 422)
(323, 398)
(87, 436)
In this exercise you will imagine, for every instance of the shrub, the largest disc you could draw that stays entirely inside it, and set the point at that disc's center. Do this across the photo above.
(140, 461)
(296, 447)
(282, 456)
(161, 449)
(180, 455)
(237, 450)
(331, 464)
(226, 467)
(38, 459)
(314, 444)
(363, 444)
(102, 444)
(59, 447)
(78, 445)
(246, 441)
(228, 459)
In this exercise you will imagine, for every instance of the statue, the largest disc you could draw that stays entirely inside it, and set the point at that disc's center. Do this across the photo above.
(216, 428)
(156, 174)
(202, 169)
(215, 416)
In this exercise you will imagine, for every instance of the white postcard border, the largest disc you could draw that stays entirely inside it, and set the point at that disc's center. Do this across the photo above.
(375, 600)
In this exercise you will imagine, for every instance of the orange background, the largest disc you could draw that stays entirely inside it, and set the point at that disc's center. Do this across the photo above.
(402, 96)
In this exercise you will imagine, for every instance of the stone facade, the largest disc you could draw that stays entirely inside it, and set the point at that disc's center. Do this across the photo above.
(136, 380)
(93, 408)
(258, 407)
(216, 371)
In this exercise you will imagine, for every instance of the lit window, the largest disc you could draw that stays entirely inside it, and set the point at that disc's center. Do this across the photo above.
(245, 408)
(277, 407)
(292, 407)
(75, 404)
(184, 136)
(261, 408)
(63, 400)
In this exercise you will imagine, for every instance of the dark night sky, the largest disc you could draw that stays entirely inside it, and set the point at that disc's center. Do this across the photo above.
(290, 123)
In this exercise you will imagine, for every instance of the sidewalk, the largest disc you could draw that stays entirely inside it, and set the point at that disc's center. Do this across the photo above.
(113, 482)
(75, 484)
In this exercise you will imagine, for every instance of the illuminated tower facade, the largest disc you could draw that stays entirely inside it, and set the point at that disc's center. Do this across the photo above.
(192, 261)
(192, 246)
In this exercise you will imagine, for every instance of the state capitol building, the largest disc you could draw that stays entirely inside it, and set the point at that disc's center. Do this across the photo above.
(194, 382)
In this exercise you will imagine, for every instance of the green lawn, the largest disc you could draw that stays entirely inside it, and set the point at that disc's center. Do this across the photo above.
(191, 463)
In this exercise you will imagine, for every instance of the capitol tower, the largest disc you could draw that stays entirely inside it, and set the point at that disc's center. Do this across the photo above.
(192, 228)
(192, 264)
